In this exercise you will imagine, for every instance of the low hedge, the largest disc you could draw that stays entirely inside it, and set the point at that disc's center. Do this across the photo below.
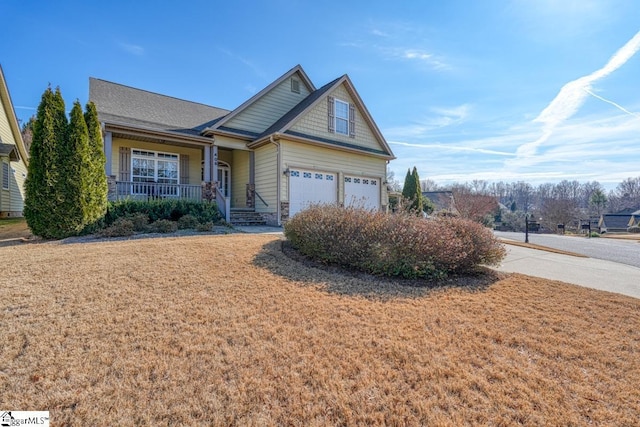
(392, 245)
(168, 209)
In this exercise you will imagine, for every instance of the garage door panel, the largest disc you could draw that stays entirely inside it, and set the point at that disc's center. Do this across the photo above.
(362, 192)
(310, 187)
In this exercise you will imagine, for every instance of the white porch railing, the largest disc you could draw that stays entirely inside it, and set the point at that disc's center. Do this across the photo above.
(153, 190)
(224, 204)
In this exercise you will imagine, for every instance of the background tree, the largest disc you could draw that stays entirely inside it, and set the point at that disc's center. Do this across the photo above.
(475, 205)
(27, 132)
(96, 189)
(598, 201)
(42, 201)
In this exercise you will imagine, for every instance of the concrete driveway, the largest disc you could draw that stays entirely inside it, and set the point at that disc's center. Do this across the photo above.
(588, 272)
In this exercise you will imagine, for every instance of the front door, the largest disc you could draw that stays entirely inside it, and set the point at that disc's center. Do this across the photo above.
(224, 178)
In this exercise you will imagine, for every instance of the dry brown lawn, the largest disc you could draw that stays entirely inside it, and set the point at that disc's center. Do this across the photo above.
(228, 330)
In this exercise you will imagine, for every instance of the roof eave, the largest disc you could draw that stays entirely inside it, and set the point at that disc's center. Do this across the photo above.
(168, 136)
(277, 136)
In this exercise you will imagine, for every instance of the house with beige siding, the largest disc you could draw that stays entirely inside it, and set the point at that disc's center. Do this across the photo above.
(288, 146)
(13, 157)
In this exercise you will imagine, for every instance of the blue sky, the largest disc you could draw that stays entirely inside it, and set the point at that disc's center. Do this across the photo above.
(533, 90)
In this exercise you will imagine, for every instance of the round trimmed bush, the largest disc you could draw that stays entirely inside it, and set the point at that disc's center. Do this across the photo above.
(392, 245)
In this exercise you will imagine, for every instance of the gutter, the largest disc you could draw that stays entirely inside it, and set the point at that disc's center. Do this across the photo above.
(278, 178)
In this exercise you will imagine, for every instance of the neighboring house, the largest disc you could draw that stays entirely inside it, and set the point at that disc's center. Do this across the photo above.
(443, 202)
(13, 157)
(288, 146)
(614, 223)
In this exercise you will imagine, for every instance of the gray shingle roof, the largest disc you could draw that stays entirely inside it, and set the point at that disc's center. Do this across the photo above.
(616, 221)
(121, 104)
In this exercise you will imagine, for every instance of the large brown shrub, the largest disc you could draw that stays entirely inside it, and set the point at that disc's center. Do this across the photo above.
(392, 245)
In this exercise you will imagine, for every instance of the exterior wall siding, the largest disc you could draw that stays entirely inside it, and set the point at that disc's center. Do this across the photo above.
(195, 156)
(267, 110)
(298, 155)
(239, 179)
(17, 177)
(315, 123)
(11, 200)
(266, 164)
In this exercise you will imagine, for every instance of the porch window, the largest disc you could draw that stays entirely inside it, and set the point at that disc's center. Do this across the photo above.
(154, 167)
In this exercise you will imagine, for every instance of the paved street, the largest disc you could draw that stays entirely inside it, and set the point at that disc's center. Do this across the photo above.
(620, 251)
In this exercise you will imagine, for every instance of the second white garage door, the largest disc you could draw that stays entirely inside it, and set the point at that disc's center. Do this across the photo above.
(310, 187)
(362, 192)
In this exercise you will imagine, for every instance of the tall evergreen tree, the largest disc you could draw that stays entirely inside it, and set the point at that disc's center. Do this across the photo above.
(96, 196)
(74, 161)
(42, 200)
(411, 191)
(418, 203)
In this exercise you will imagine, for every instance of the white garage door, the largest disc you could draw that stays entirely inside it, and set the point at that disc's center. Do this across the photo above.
(362, 192)
(310, 187)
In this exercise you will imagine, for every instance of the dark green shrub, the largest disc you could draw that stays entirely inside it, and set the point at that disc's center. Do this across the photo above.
(163, 226)
(120, 228)
(393, 245)
(634, 229)
(170, 209)
(139, 220)
(187, 222)
(206, 227)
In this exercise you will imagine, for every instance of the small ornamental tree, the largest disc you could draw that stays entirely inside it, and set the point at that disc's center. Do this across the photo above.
(96, 189)
(42, 201)
(411, 191)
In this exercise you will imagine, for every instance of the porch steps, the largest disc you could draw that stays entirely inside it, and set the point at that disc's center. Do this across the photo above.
(246, 217)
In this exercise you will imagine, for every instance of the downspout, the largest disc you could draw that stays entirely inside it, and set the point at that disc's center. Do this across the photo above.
(278, 184)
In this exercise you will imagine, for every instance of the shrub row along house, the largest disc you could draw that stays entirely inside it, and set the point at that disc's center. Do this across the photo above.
(13, 157)
(290, 145)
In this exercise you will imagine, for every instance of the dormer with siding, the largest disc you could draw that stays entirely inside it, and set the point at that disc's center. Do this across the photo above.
(269, 105)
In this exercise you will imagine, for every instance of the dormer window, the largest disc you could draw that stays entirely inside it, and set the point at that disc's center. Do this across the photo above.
(342, 117)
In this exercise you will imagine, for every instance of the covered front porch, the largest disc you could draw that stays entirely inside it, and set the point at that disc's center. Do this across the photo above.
(152, 167)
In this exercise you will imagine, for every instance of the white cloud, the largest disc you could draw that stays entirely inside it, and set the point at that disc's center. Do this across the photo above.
(133, 49)
(444, 116)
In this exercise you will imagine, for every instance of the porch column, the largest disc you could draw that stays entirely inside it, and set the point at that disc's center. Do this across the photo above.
(252, 167)
(107, 153)
(207, 163)
(214, 171)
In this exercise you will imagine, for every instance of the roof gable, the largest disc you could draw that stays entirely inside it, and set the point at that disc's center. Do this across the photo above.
(15, 137)
(121, 104)
(267, 106)
(308, 120)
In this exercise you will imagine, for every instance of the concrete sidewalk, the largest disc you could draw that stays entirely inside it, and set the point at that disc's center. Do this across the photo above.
(588, 272)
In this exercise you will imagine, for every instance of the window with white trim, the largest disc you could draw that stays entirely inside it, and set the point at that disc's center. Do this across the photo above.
(154, 167)
(5, 176)
(342, 117)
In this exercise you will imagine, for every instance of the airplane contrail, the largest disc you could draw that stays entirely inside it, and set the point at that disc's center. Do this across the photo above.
(573, 95)
(618, 106)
